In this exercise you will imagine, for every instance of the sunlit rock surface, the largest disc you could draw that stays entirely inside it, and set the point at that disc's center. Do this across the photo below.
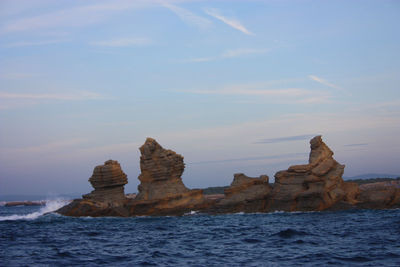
(161, 172)
(317, 185)
(161, 190)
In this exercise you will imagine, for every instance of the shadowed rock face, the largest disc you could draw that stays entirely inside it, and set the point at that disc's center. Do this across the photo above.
(245, 194)
(108, 181)
(161, 172)
(379, 196)
(107, 198)
(314, 186)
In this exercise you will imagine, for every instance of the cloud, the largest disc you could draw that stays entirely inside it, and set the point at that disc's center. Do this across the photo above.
(77, 96)
(240, 52)
(293, 92)
(34, 43)
(65, 18)
(55, 146)
(356, 145)
(282, 156)
(231, 53)
(112, 148)
(288, 95)
(73, 17)
(201, 59)
(285, 139)
(17, 75)
(213, 12)
(123, 42)
(322, 81)
(323, 98)
(187, 16)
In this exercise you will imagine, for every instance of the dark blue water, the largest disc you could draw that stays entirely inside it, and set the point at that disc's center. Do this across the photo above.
(349, 238)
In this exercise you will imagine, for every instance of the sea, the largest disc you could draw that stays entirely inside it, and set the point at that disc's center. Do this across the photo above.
(35, 236)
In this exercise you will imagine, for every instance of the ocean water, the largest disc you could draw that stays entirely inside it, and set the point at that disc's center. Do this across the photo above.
(29, 236)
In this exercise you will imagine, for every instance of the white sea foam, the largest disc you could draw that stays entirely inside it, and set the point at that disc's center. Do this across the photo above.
(51, 205)
(192, 212)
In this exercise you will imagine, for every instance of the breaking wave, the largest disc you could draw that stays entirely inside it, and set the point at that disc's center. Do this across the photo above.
(51, 205)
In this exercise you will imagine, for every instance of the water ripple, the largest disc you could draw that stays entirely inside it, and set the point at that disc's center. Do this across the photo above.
(364, 238)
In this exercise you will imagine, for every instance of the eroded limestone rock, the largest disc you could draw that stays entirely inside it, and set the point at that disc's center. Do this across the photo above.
(107, 198)
(245, 194)
(317, 185)
(161, 172)
(379, 196)
(161, 190)
(108, 181)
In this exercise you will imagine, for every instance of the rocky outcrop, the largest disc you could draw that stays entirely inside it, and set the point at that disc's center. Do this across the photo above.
(245, 194)
(161, 190)
(317, 185)
(108, 181)
(379, 196)
(25, 203)
(108, 196)
(161, 172)
(178, 204)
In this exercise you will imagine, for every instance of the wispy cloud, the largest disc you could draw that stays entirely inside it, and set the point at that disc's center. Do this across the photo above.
(241, 52)
(47, 148)
(112, 148)
(322, 81)
(66, 18)
(123, 42)
(265, 91)
(234, 23)
(231, 53)
(73, 17)
(17, 75)
(34, 43)
(76, 96)
(285, 139)
(356, 145)
(322, 98)
(201, 59)
(293, 92)
(282, 156)
(282, 95)
(187, 16)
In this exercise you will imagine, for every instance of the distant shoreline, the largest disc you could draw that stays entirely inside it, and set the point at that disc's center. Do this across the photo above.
(25, 203)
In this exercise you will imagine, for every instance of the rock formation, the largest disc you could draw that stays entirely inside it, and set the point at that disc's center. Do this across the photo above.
(108, 181)
(245, 194)
(379, 196)
(317, 185)
(161, 190)
(25, 203)
(108, 196)
(161, 172)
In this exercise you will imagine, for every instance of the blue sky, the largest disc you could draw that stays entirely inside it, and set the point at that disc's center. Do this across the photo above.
(233, 86)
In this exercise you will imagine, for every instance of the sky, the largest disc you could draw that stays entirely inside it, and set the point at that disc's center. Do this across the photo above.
(233, 86)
